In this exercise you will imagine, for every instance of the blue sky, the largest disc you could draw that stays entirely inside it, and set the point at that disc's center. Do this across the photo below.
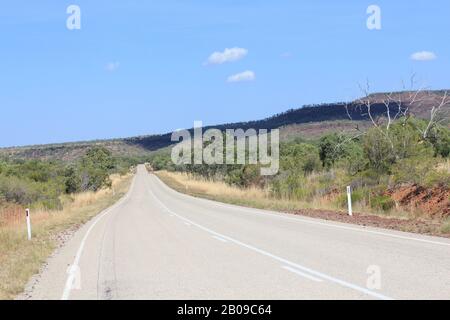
(138, 67)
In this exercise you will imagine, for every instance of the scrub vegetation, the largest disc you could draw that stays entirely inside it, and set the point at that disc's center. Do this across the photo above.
(62, 197)
(393, 171)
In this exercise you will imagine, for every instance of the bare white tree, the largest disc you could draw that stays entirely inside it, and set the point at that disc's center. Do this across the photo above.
(369, 100)
(436, 114)
(397, 106)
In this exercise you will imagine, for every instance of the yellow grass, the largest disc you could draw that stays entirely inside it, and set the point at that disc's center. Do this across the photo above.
(261, 198)
(251, 197)
(20, 258)
(444, 166)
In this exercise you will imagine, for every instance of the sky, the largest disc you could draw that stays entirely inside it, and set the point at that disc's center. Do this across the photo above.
(147, 67)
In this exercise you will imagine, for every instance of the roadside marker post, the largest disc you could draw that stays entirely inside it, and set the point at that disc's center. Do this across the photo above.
(349, 200)
(28, 223)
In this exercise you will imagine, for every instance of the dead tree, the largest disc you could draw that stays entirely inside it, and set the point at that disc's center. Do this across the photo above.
(435, 113)
(397, 108)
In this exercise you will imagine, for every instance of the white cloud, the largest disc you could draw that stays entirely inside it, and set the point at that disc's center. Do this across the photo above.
(423, 56)
(243, 76)
(228, 55)
(112, 66)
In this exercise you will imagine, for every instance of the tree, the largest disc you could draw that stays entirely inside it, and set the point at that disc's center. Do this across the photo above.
(73, 181)
(304, 157)
(331, 149)
(94, 170)
(385, 148)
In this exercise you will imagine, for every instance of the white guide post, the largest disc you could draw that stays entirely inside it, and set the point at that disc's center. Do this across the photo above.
(349, 201)
(28, 223)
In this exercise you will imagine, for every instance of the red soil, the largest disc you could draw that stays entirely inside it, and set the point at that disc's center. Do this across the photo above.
(434, 202)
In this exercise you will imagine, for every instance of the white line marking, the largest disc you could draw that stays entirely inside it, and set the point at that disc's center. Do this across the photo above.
(301, 220)
(275, 257)
(298, 272)
(187, 223)
(75, 266)
(220, 239)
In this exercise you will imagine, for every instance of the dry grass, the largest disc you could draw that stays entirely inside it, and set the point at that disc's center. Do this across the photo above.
(261, 198)
(20, 259)
(325, 207)
(444, 166)
(250, 197)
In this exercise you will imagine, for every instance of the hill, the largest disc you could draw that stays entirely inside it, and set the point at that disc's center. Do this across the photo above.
(308, 121)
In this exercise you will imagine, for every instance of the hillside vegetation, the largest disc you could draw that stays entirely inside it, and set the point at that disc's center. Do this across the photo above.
(307, 121)
(41, 183)
(388, 168)
(383, 145)
(20, 259)
(62, 196)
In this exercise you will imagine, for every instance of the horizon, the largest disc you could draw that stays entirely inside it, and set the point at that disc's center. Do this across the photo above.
(314, 105)
(138, 69)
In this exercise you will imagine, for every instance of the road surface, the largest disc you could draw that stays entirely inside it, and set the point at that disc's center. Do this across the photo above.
(159, 244)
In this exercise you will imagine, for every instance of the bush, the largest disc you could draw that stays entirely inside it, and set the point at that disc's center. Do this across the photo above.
(384, 148)
(291, 186)
(437, 177)
(28, 192)
(301, 157)
(329, 149)
(41, 183)
(358, 195)
(413, 170)
(382, 202)
(354, 161)
(438, 136)
(92, 172)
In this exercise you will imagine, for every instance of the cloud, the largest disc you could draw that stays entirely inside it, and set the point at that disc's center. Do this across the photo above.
(112, 66)
(423, 56)
(228, 55)
(243, 76)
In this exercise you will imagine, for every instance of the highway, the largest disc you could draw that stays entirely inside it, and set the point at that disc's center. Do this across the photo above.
(156, 243)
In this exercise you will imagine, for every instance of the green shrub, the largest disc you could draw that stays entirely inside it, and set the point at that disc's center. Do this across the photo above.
(358, 195)
(41, 183)
(383, 148)
(302, 157)
(412, 170)
(27, 192)
(437, 177)
(382, 202)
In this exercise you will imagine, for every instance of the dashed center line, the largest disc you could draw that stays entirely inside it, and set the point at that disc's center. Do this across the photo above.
(295, 266)
(219, 238)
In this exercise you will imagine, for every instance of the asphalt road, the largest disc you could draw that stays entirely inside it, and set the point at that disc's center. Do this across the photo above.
(159, 244)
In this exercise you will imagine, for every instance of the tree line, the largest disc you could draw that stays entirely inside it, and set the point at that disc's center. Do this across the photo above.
(41, 183)
(371, 162)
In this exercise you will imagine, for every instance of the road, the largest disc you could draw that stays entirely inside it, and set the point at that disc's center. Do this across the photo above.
(159, 244)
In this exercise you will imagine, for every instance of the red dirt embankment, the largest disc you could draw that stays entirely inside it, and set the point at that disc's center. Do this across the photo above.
(434, 202)
(423, 226)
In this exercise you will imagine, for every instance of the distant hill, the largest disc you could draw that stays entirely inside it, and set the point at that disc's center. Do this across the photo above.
(307, 121)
